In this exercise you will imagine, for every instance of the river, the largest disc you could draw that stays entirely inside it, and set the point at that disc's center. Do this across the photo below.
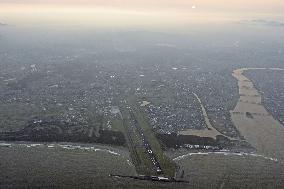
(261, 130)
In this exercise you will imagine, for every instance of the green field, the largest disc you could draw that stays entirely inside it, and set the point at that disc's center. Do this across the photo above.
(167, 165)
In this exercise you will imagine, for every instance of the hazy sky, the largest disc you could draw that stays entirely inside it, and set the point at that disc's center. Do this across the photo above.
(217, 5)
(137, 12)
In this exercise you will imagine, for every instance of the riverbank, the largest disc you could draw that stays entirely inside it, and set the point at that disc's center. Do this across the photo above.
(260, 129)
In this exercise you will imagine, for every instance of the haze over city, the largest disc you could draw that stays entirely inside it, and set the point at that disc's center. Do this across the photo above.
(126, 13)
(141, 94)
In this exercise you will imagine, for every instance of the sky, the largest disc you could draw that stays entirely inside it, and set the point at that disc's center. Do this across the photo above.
(137, 12)
(213, 5)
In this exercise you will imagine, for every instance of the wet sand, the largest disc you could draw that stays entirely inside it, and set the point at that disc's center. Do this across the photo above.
(262, 131)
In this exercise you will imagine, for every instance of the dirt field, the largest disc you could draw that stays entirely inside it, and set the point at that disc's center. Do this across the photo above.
(262, 131)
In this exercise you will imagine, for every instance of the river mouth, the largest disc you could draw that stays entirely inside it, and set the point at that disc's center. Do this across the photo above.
(253, 121)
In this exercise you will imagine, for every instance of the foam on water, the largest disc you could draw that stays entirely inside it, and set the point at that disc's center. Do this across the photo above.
(63, 146)
(242, 154)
